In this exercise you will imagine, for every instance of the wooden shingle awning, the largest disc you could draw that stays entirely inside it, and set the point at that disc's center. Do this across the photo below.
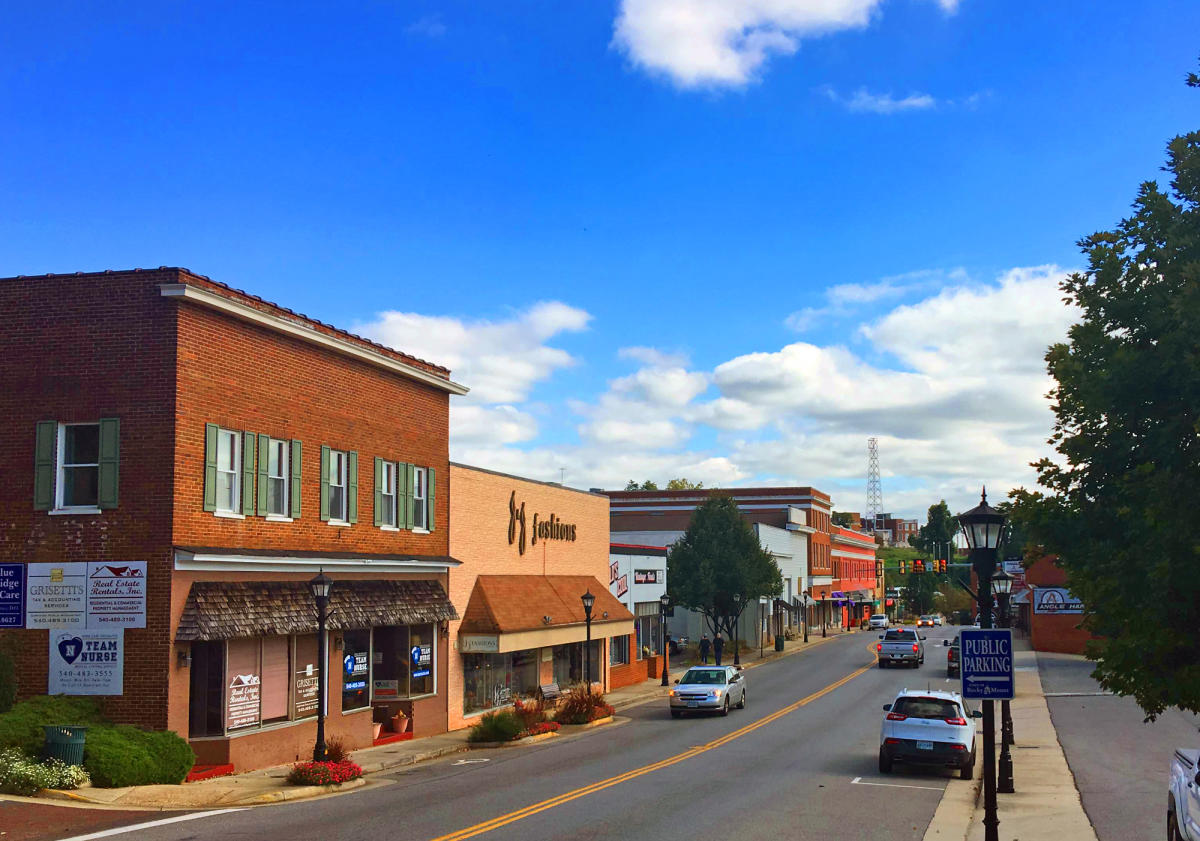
(220, 610)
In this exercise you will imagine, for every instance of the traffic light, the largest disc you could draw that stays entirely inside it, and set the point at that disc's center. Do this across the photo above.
(942, 565)
(919, 565)
(903, 567)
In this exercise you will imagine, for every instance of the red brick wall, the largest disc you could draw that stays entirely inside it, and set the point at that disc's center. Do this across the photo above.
(635, 671)
(78, 348)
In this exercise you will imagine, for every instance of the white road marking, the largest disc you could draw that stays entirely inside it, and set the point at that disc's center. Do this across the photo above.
(1097, 694)
(858, 781)
(121, 830)
(470, 761)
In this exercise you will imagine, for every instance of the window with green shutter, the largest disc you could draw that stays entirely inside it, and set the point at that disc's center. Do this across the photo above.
(45, 444)
(110, 463)
(430, 502)
(352, 487)
(294, 468)
(325, 451)
(249, 450)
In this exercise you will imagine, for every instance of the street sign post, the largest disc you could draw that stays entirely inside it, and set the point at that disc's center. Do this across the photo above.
(987, 664)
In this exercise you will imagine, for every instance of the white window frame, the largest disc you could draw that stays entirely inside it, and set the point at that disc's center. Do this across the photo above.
(336, 456)
(390, 473)
(236, 448)
(420, 478)
(284, 476)
(60, 465)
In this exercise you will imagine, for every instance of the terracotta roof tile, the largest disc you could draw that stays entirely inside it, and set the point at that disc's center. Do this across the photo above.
(501, 604)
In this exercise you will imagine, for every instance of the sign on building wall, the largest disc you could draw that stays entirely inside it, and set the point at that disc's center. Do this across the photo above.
(1055, 600)
(244, 700)
(306, 680)
(547, 528)
(12, 595)
(86, 662)
(478, 644)
(116, 596)
(56, 596)
(645, 576)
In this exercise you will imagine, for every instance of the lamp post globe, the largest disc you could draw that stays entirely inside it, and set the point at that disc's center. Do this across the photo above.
(589, 602)
(982, 527)
(320, 587)
(664, 604)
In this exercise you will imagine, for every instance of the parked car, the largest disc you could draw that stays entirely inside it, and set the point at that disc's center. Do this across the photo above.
(879, 621)
(1183, 796)
(953, 657)
(708, 688)
(937, 620)
(926, 621)
(928, 728)
(901, 646)
(676, 643)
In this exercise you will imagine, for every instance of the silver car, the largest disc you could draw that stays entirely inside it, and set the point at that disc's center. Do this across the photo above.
(708, 688)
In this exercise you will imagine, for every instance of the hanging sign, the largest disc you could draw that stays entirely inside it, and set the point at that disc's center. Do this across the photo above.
(56, 595)
(987, 663)
(86, 662)
(12, 595)
(116, 596)
(1055, 600)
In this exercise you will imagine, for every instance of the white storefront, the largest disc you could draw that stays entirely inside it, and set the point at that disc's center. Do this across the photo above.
(638, 578)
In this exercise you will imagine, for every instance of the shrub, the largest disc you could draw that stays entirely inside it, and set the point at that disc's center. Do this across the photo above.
(21, 727)
(127, 756)
(21, 775)
(531, 711)
(323, 773)
(581, 705)
(500, 726)
(8, 682)
(335, 750)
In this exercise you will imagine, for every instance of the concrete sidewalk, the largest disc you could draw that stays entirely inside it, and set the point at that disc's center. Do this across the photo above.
(1046, 804)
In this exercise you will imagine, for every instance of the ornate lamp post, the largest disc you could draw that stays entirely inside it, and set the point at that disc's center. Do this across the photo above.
(737, 659)
(320, 587)
(588, 601)
(805, 612)
(1002, 585)
(982, 527)
(664, 603)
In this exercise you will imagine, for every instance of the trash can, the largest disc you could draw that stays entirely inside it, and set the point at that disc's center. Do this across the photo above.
(64, 742)
(779, 642)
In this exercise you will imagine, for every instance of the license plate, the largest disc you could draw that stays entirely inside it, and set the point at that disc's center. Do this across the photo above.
(924, 745)
(692, 704)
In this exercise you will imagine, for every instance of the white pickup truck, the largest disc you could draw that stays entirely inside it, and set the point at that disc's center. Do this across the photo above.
(901, 645)
(1183, 797)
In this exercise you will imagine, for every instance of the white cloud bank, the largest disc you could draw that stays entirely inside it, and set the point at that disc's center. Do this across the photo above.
(725, 43)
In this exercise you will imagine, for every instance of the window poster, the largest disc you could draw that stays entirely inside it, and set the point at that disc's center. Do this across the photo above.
(245, 699)
(56, 596)
(307, 675)
(422, 657)
(116, 596)
(86, 662)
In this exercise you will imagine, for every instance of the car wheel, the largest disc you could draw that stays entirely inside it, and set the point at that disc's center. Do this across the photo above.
(676, 713)
(742, 703)
(725, 706)
(885, 763)
(967, 771)
(883, 664)
(1173, 833)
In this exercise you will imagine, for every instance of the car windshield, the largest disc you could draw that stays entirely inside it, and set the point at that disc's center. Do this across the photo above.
(926, 617)
(704, 676)
(879, 616)
(917, 707)
(900, 636)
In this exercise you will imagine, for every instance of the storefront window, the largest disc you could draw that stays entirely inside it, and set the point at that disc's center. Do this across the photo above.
(420, 660)
(568, 663)
(306, 676)
(356, 669)
(649, 638)
(402, 662)
(618, 650)
(493, 680)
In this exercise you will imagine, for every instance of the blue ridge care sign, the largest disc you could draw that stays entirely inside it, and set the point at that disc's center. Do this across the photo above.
(12, 595)
(87, 662)
(987, 663)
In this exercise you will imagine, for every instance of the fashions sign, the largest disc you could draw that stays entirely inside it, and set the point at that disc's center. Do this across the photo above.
(550, 528)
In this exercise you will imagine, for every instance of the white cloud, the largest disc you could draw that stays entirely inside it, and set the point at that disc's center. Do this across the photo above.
(430, 26)
(653, 357)
(501, 361)
(842, 298)
(471, 424)
(726, 42)
(863, 100)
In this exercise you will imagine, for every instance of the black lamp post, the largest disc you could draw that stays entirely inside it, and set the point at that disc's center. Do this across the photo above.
(804, 613)
(664, 603)
(982, 526)
(1002, 584)
(737, 659)
(320, 587)
(588, 601)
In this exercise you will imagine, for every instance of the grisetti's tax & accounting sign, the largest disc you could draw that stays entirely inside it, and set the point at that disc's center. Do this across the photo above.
(546, 528)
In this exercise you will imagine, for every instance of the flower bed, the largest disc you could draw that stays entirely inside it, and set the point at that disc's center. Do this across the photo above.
(21, 775)
(538, 729)
(324, 773)
(581, 706)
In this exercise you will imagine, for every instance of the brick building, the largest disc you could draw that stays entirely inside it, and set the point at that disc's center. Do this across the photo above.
(227, 448)
(529, 551)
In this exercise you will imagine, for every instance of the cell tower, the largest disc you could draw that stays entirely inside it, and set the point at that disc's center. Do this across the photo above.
(874, 486)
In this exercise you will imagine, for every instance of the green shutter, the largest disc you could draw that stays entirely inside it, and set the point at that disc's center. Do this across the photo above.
(210, 466)
(249, 439)
(431, 499)
(406, 484)
(378, 491)
(324, 483)
(294, 492)
(43, 465)
(352, 487)
(264, 461)
(110, 462)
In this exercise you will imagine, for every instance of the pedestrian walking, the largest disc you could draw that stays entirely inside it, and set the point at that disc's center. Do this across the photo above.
(705, 647)
(718, 647)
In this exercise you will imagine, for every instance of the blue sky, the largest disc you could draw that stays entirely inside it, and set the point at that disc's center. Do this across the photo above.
(809, 222)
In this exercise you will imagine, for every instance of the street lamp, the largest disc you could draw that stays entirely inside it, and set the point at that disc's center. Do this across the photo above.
(588, 600)
(1002, 585)
(320, 587)
(737, 659)
(804, 613)
(982, 527)
(664, 602)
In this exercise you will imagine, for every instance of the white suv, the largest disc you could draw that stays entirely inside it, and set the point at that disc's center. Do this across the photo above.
(928, 728)
(879, 620)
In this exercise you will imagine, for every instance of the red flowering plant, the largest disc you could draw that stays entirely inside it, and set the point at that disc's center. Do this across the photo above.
(324, 773)
(538, 729)
(581, 705)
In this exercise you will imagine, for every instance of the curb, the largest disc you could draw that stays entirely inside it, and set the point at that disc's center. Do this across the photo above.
(512, 743)
(299, 793)
(435, 753)
(599, 722)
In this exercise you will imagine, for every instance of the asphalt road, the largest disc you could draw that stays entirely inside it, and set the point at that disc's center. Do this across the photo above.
(1120, 763)
(799, 763)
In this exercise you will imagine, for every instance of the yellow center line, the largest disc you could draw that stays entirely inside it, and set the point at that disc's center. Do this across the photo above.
(528, 811)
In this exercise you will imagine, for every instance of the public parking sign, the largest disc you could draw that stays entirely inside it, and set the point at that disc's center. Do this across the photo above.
(987, 663)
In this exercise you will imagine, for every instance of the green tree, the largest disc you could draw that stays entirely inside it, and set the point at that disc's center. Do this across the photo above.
(936, 537)
(920, 588)
(719, 557)
(1127, 430)
(842, 518)
(648, 485)
(682, 484)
